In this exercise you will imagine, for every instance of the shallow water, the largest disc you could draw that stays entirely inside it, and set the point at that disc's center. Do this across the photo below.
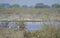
(31, 25)
(37, 25)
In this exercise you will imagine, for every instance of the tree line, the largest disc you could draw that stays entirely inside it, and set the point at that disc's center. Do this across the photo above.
(37, 5)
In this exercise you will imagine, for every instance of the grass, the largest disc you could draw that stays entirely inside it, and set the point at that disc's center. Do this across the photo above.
(33, 13)
(10, 33)
(47, 31)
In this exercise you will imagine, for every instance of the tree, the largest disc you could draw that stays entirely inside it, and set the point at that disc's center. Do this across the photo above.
(5, 5)
(25, 6)
(41, 5)
(15, 5)
(56, 5)
(46, 6)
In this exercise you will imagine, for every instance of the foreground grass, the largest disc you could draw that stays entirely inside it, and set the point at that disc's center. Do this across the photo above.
(10, 33)
(46, 31)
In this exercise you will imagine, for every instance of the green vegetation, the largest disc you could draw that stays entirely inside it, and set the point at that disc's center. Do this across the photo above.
(32, 13)
(37, 5)
(41, 5)
(39, 11)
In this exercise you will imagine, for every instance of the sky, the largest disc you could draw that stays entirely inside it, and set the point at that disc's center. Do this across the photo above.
(30, 2)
